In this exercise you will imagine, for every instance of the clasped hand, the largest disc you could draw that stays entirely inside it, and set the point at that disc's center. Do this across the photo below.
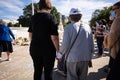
(58, 56)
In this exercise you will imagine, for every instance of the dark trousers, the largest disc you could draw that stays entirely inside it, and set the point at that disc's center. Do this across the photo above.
(114, 73)
(100, 45)
(111, 61)
(43, 62)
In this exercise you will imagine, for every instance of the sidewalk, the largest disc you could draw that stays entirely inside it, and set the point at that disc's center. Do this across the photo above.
(21, 67)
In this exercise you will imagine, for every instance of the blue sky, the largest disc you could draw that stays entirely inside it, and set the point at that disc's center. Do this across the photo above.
(12, 9)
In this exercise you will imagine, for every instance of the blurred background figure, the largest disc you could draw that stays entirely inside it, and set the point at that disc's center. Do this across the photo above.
(99, 36)
(5, 40)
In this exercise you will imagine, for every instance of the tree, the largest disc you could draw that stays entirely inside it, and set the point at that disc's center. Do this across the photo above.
(16, 25)
(56, 13)
(10, 24)
(65, 24)
(27, 14)
(99, 15)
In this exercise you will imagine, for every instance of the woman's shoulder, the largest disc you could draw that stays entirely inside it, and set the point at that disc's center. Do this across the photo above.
(116, 23)
(117, 19)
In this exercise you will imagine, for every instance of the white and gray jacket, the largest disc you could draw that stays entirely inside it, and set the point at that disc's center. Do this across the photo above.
(83, 47)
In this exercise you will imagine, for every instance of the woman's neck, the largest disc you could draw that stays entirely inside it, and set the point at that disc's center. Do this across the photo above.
(44, 10)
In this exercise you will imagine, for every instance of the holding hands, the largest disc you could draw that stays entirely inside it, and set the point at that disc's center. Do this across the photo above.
(58, 56)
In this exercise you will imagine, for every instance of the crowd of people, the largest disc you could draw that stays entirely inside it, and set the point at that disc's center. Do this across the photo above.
(77, 44)
(77, 35)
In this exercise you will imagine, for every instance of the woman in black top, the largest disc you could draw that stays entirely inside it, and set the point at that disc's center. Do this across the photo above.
(44, 40)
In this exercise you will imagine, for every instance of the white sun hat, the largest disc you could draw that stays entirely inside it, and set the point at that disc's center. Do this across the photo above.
(75, 11)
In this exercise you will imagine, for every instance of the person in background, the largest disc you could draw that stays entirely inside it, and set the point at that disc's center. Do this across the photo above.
(43, 33)
(97, 24)
(99, 36)
(80, 54)
(113, 39)
(5, 40)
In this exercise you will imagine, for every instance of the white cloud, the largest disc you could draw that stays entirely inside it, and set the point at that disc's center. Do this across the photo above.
(11, 5)
(63, 6)
(9, 9)
(10, 17)
(86, 6)
(36, 1)
(1, 12)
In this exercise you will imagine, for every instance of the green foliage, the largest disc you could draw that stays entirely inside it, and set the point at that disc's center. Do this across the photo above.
(65, 24)
(99, 15)
(10, 24)
(56, 13)
(16, 25)
(27, 14)
(24, 19)
(13, 25)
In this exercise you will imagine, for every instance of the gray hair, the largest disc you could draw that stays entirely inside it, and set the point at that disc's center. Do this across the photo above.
(2, 22)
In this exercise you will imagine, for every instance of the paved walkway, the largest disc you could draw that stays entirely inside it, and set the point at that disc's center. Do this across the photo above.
(21, 67)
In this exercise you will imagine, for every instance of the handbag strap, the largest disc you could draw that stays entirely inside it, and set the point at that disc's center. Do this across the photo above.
(72, 43)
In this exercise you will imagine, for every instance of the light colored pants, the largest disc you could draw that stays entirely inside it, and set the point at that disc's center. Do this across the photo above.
(77, 70)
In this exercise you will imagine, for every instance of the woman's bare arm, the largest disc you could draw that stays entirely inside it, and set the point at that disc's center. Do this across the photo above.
(55, 41)
(30, 36)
